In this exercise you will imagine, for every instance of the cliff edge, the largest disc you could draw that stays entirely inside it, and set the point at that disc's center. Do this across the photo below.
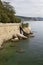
(8, 30)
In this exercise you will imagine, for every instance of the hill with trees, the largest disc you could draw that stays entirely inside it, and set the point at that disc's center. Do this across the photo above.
(7, 13)
(24, 18)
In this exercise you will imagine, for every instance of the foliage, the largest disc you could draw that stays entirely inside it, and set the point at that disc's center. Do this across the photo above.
(7, 13)
(25, 25)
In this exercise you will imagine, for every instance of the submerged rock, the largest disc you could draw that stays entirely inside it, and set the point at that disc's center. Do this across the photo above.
(20, 50)
(31, 33)
(31, 36)
(1, 47)
(12, 45)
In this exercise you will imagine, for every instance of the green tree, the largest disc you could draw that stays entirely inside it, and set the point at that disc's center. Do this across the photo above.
(7, 13)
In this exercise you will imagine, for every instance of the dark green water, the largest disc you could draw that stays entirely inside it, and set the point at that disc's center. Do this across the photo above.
(33, 49)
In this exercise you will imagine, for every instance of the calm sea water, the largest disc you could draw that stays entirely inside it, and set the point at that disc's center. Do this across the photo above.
(33, 48)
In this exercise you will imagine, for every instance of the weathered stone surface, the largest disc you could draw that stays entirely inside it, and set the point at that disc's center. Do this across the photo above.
(7, 30)
(27, 30)
(15, 39)
(21, 36)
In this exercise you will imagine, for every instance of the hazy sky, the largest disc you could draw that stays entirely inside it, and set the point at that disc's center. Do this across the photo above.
(28, 7)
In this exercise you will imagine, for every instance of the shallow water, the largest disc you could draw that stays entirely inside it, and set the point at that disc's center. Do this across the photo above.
(33, 48)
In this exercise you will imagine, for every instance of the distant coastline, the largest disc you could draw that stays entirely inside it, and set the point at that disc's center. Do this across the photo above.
(30, 18)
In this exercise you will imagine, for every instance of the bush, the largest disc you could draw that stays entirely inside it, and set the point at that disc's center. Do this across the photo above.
(25, 25)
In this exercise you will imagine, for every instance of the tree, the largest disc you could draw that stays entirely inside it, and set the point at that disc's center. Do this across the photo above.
(7, 13)
(8, 7)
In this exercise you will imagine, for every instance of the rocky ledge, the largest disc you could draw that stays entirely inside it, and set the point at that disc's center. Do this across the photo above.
(13, 31)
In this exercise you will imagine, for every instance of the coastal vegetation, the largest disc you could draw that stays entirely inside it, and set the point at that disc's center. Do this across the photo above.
(7, 13)
(25, 25)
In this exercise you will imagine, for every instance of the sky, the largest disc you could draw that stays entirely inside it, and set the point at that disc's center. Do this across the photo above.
(29, 8)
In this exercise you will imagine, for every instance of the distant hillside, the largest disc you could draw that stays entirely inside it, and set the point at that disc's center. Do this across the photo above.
(30, 18)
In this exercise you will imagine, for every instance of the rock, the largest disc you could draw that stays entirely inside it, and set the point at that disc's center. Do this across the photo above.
(12, 46)
(11, 31)
(21, 36)
(1, 47)
(31, 35)
(20, 50)
(15, 39)
(31, 32)
(27, 30)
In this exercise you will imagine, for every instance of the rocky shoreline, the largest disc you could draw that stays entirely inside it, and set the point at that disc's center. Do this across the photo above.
(13, 32)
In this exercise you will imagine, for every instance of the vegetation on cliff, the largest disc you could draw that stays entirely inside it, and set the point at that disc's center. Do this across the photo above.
(7, 13)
